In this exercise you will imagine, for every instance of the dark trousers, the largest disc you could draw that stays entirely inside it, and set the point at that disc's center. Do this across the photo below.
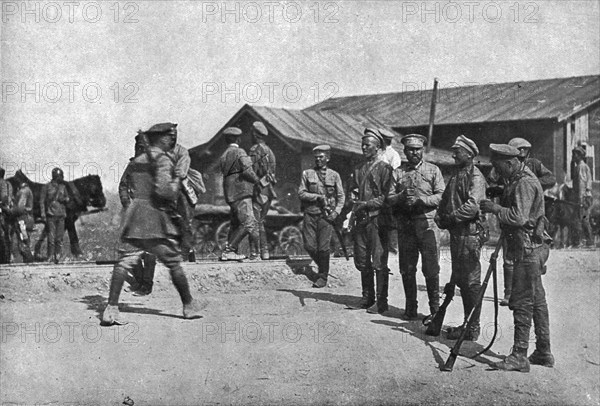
(56, 231)
(419, 236)
(143, 270)
(242, 223)
(528, 298)
(260, 211)
(317, 233)
(5, 244)
(370, 258)
(465, 251)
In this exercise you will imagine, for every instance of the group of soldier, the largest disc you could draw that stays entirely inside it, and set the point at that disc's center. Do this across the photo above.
(17, 218)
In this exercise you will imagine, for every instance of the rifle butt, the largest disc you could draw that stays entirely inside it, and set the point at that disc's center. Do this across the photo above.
(449, 365)
(435, 326)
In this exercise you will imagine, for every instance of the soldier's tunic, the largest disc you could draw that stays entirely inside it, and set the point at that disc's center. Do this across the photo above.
(417, 231)
(25, 221)
(53, 200)
(181, 158)
(523, 209)
(6, 205)
(148, 224)
(264, 166)
(238, 185)
(317, 232)
(459, 209)
(370, 182)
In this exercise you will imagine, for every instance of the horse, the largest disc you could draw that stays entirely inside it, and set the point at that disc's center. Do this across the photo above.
(83, 192)
(562, 214)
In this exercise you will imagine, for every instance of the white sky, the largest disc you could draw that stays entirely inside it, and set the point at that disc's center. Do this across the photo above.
(175, 59)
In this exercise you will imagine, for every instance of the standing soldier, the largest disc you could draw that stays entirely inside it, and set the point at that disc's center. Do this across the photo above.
(263, 164)
(53, 200)
(148, 225)
(415, 194)
(322, 198)
(24, 222)
(392, 157)
(388, 153)
(459, 214)
(521, 218)
(238, 185)
(547, 180)
(368, 187)
(6, 206)
(582, 192)
(143, 271)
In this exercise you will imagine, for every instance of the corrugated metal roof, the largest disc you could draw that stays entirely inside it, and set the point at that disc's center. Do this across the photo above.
(530, 100)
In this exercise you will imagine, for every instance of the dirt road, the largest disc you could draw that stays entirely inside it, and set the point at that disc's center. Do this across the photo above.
(267, 337)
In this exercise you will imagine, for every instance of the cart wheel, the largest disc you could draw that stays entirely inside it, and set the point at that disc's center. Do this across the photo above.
(221, 239)
(290, 240)
(203, 238)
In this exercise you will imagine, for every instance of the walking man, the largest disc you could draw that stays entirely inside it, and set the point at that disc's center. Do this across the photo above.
(459, 214)
(148, 225)
(263, 164)
(368, 188)
(416, 191)
(322, 199)
(53, 206)
(522, 220)
(238, 185)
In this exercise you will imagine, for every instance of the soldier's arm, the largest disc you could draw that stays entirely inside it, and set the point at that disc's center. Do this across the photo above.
(340, 195)
(383, 178)
(437, 189)
(545, 176)
(182, 161)
(303, 193)
(64, 195)
(518, 212)
(246, 168)
(124, 187)
(166, 186)
(470, 209)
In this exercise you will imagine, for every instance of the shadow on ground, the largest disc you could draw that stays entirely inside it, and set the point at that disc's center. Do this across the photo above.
(97, 304)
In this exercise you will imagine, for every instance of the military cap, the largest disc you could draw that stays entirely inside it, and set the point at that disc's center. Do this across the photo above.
(161, 128)
(519, 143)
(414, 140)
(387, 134)
(466, 143)
(372, 132)
(580, 150)
(322, 148)
(232, 131)
(503, 151)
(260, 128)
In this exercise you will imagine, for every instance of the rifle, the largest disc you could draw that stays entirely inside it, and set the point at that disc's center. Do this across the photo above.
(435, 321)
(455, 351)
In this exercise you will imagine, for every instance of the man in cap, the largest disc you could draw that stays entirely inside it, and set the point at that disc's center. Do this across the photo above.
(459, 213)
(6, 207)
(521, 218)
(148, 225)
(263, 164)
(53, 206)
(582, 193)
(416, 191)
(238, 186)
(143, 271)
(547, 180)
(322, 198)
(368, 187)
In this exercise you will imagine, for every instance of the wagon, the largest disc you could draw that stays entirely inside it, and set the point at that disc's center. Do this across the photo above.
(211, 225)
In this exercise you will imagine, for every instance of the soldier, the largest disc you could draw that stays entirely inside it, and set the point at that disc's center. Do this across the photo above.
(148, 225)
(263, 164)
(547, 180)
(238, 185)
(388, 153)
(459, 214)
(521, 218)
(322, 198)
(53, 206)
(416, 191)
(368, 187)
(143, 271)
(24, 222)
(391, 156)
(6, 206)
(582, 193)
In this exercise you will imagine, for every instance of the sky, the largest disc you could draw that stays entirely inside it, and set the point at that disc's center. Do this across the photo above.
(80, 78)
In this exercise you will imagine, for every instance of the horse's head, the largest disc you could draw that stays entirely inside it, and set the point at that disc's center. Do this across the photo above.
(90, 188)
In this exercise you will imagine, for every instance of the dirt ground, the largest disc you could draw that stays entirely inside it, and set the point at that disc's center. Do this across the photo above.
(268, 337)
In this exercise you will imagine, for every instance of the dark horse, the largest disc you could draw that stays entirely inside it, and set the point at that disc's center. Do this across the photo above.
(562, 216)
(83, 192)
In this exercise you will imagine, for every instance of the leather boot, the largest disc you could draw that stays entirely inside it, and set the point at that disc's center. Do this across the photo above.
(515, 361)
(368, 289)
(433, 293)
(382, 277)
(410, 292)
(323, 264)
(542, 355)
